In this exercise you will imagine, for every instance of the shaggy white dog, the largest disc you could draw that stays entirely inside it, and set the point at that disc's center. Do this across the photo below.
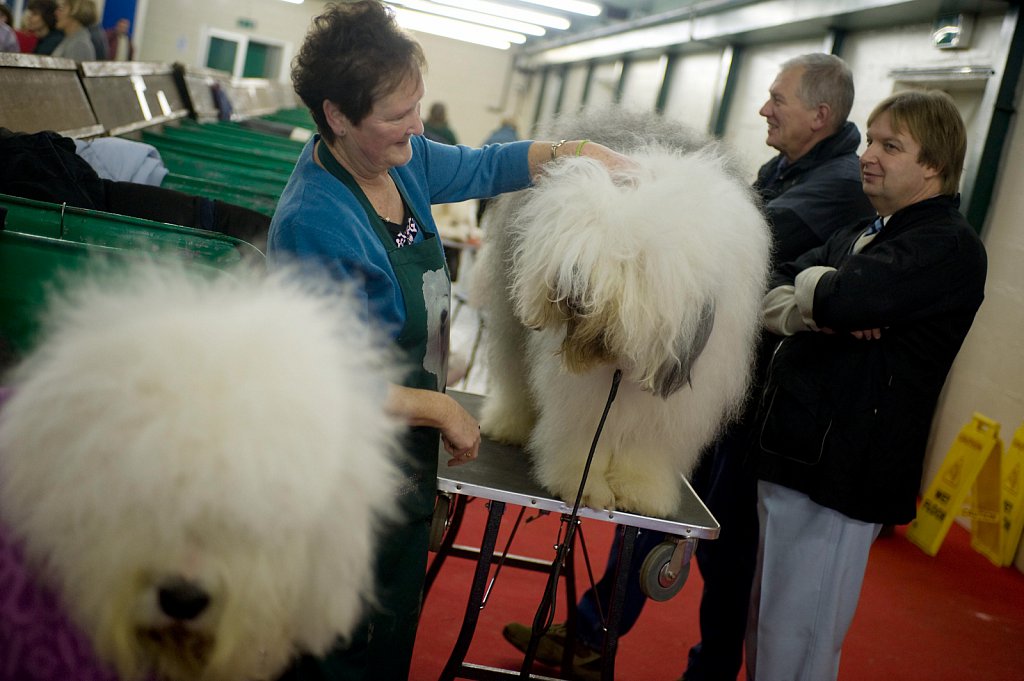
(659, 273)
(198, 467)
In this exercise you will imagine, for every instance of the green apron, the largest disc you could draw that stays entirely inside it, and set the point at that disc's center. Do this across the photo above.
(381, 648)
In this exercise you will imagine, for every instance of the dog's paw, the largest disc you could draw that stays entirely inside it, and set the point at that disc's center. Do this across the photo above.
(650, 495)
(599, 497)
(596, 494)
(512, 431)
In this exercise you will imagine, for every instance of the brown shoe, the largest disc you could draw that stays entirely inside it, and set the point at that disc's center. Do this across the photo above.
(551, 647)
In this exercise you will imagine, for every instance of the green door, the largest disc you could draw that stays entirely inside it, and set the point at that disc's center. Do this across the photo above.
(221, 55)
(256, 60)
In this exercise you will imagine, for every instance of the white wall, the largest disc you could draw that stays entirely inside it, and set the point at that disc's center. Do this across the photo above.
(695, 84)
(575, 81)
(643, 83)
(988, 376)
(552, 82)
(468, 78)
(176, 31)
(603, 85)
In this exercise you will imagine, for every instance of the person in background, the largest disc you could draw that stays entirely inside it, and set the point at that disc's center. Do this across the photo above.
(868, 326)
(505, 132)
(436, 126)
(810, 189)
(96, 33)
(358, 205)
(40, 19)
(8, 38)
(119, 41)
(73, 18)
(26, 39)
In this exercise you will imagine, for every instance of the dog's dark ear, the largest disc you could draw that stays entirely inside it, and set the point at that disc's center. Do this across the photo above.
(674, 374)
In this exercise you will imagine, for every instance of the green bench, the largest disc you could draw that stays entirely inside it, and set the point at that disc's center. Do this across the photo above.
(41, 242)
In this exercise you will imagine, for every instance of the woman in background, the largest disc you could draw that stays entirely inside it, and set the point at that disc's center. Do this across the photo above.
(436, 126)
(73, 18)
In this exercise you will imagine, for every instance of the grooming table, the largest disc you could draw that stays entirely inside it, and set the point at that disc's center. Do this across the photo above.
(501, 475)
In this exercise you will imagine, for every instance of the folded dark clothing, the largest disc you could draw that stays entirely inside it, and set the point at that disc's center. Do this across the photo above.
(178, 208)
(46, 167)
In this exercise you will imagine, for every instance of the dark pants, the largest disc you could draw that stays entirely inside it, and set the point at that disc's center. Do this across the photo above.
(593, 607)
(727, 483)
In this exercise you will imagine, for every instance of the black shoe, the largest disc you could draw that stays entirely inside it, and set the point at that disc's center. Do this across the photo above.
(551, 647)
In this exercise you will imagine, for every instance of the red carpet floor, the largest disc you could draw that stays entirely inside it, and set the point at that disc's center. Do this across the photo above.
(954, 617)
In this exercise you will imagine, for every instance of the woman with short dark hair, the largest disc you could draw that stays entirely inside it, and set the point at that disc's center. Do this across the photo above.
(358, 205)
(41, 20)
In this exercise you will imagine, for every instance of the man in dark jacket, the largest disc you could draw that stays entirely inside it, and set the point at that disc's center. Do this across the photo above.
(870, 324)
(810, 189)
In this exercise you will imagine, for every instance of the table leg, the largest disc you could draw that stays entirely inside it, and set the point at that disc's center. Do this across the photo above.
(622, 575)
(476, 594)
(446, 544)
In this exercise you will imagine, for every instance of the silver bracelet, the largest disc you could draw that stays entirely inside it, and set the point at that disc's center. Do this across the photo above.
(554, 147)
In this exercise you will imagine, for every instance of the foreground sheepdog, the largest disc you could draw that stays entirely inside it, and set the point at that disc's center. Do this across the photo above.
(659, 273)
(197, 467)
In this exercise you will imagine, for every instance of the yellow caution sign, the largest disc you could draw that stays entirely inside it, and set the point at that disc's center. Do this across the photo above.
(972, 451)
(984, 508)
(1013, 497)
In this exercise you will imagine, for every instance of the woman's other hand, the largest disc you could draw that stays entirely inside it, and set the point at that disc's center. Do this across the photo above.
(460, 432)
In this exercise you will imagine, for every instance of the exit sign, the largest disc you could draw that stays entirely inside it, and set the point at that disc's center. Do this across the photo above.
(246, 23)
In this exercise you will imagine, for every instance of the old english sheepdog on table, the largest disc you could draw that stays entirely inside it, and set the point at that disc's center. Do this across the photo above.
(659, 273)
(194, 469)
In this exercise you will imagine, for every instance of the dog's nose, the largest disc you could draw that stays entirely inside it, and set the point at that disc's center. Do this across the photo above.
(182, 600)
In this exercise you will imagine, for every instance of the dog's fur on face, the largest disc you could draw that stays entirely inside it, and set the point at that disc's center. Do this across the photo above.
(659, 273)
(199, 466)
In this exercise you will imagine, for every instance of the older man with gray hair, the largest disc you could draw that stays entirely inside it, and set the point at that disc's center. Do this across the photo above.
(810, 190)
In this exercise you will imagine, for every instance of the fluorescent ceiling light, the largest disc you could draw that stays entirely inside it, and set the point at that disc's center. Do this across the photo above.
(500, 10)
(621, 43)
(294, 2)
(457, 30)
(575, 6)
(472, 17)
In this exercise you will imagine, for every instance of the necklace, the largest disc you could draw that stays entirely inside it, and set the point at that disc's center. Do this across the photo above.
(382, 197)
(327, 160)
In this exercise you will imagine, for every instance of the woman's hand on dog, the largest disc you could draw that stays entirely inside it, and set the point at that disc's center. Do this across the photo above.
(612, 160)
(619, 165)
(460, 432)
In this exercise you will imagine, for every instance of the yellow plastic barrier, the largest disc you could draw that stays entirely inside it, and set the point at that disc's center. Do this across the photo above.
(1013, 497)
(984, 508)
(970, 453)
